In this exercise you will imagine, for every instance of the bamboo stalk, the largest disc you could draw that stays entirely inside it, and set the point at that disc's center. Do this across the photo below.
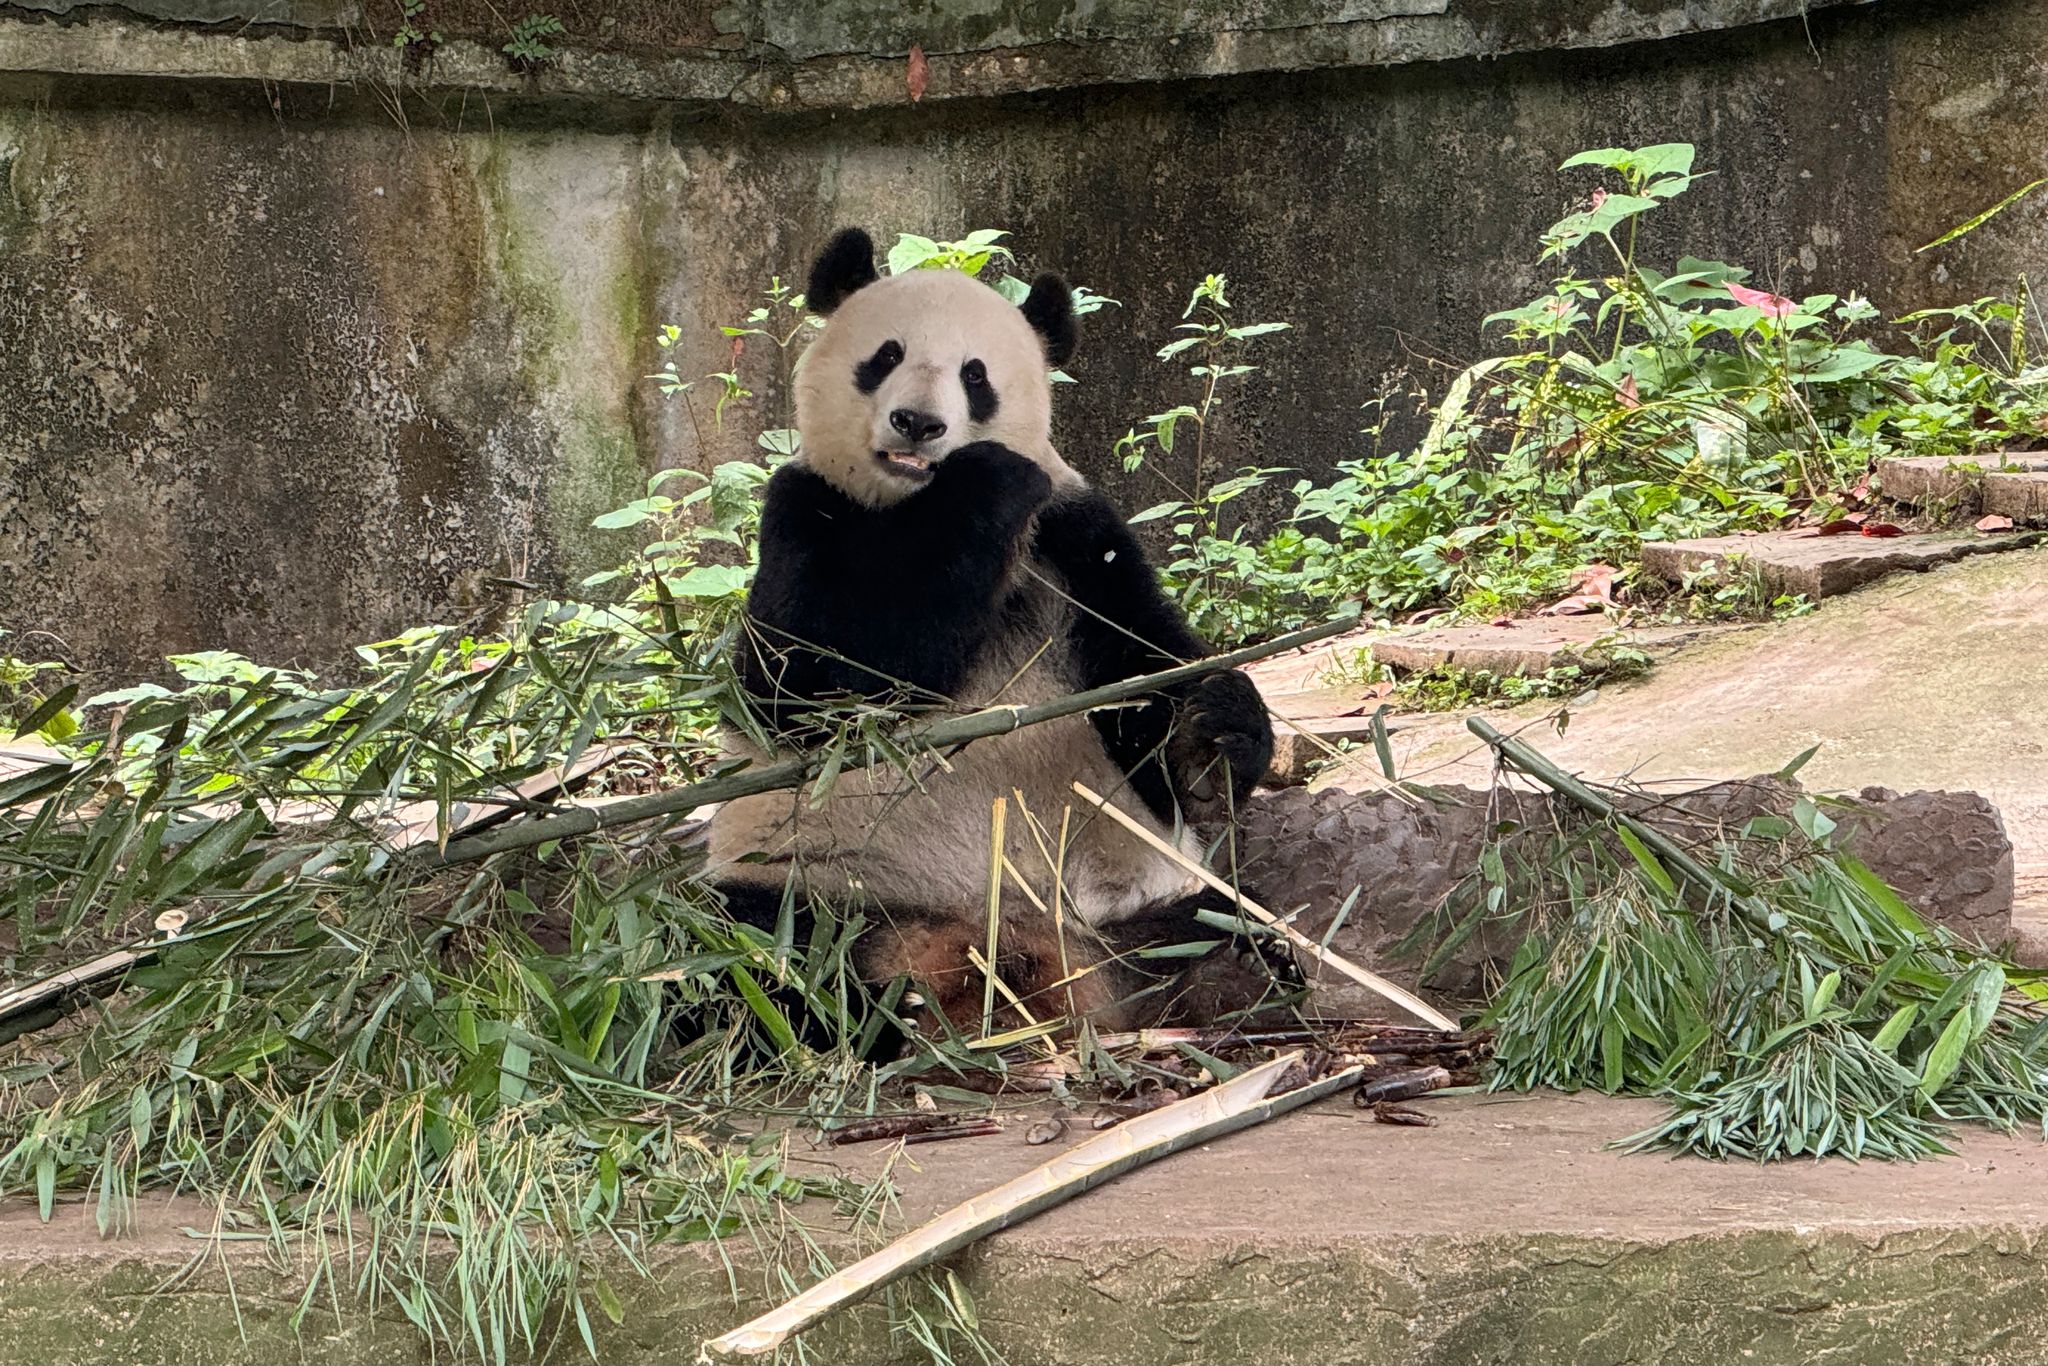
(1527, 760)
(959, 730)
(1371, 981)
(1237, 1104)
(997, 824)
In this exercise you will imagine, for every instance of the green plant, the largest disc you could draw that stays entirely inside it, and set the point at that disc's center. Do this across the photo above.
(1215, 569)
(528, 48)
(1803, 1010)
(412, 39)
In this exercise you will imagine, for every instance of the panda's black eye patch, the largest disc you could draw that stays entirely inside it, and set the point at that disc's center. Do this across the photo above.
(981, 395)
(869, 374)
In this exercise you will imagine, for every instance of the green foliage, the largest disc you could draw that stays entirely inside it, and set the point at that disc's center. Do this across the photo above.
(410, 37)
(1806, 1012)
(529, 48)
(1639, 403)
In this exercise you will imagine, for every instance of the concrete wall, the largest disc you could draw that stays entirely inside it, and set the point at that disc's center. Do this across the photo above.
(285, 364)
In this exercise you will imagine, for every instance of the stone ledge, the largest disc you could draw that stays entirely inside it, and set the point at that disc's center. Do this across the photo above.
(1510, 1232)
(795, 56)
(1822, 566)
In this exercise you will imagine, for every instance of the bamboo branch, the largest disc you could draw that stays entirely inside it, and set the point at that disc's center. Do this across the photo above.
(1710, 880)
(795, 772)
(1237, 1104)
(1371, 981)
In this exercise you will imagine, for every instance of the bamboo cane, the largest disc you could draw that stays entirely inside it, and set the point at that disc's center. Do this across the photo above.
(1237, 1104)
(790, 773)
(1707, 879)
(1371, 981)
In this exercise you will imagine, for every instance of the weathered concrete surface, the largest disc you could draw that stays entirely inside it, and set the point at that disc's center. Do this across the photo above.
(1524, 645)
(1949, 481)
(1816, 567)
(1402, 855)
(1923, 682)
(278, 385)
(1510, 1233)
(795, 54)
(312, 363)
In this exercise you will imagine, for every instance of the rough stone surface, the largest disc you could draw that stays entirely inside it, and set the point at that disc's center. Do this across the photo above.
(1799, 562)
(476, 335)
(1523, 645)
(1918, 682)
(2022, 496)
(1948, 482)
(846, 54)
(1512, 1232)
(282, 385)
(1946, 852)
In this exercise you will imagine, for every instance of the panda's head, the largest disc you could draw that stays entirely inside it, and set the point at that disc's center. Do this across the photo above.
(911, 367)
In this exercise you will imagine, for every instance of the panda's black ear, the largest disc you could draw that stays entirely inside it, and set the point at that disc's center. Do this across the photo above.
(1049, 308)
(846, 264)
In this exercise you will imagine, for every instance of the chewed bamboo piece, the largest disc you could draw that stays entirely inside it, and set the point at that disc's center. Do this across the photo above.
(1371, 981)
(1236, 1104)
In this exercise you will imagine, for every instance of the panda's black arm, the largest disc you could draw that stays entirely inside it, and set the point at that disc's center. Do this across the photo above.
(1125, 627)
(869, 601)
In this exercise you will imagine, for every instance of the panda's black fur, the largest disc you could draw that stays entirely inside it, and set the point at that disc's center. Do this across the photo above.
(935, 583)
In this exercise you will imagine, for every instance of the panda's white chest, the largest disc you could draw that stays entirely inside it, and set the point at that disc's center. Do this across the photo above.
(922, 837)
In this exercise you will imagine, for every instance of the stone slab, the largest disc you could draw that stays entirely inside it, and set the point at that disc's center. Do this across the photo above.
(1511, 1232)
(1799, 562)
(1955, 481)
(2022, 496)
(1522, 645)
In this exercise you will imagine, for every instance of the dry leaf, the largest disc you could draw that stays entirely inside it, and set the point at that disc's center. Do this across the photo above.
(1627, 394)
(920, 74)
(1994, 523)
(1842, 526)
(1881, 529)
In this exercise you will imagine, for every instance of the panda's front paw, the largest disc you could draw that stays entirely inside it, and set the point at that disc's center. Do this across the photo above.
(995, 476)
(1222, 745)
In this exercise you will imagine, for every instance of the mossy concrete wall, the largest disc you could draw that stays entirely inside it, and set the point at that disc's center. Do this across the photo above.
(1511, 1233)
(297, 349)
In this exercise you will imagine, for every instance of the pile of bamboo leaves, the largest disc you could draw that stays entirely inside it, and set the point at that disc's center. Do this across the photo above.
(1769, 986)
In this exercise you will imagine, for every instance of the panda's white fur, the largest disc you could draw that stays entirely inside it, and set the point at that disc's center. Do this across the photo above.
(923, 838)
(943, 319)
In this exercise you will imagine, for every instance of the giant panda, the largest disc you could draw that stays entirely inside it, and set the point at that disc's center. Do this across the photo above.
(928, 547)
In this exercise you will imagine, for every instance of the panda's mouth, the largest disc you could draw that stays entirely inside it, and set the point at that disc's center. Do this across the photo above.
(905, 464)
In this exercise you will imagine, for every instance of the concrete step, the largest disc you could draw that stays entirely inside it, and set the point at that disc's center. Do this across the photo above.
(2006, 483)
(1816, 566)
(1511, 1232)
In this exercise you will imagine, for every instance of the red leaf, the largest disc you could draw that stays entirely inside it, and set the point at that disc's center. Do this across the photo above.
(1453, 555)
(1599, 198)
(739, 347)
(920, 74)
(1626, 392)
(1881, 529)
(1764, 302)
(1994, 523)
(1841, 527)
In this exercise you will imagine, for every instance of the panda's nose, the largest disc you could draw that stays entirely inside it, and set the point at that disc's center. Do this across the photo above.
(919, 427)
